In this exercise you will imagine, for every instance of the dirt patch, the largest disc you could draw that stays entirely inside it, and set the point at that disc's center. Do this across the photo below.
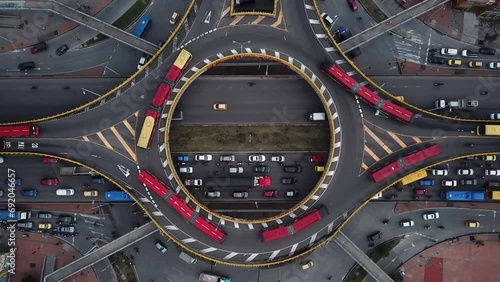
(249, 138)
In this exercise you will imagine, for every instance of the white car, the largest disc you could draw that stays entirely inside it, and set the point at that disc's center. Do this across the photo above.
(449, 51)
(494, 65)
(65, 192)
(236, 169)
(442, 172)
(186, 169)
(495, 116)
(142, 61)
(205, 157)
(407, 223)
(430, 216)
(449, 183)
(465, 171)
(257, 158)
(493, 172)
(193, 182)
(280, 159)
(212, 194)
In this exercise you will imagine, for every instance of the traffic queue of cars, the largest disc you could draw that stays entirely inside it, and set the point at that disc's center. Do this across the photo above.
(62, 225)
(465, 54)
(63, 191)
(233, 170)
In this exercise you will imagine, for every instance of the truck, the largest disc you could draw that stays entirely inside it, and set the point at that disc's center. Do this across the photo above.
(5, 215)
(494, 195)
(205, 277)
(457, 104)
(76, 170)
(255, 181)
(464, 196)
(316, 116)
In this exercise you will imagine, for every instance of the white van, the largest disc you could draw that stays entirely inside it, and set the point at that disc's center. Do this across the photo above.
(65, 192)
(188, 259)
(236, 169)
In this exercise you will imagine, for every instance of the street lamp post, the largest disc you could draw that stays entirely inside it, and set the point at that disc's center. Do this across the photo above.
(241, 44)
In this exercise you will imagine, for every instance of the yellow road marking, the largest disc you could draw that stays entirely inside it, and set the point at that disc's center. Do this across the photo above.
(399, 141)
(258, 20)
(371, 153)
(363, 165)
(237, 20)
(124, 144)
(375, 137)
(86, 138)
(106, 143)
(129, 127)
(417, 139)
(224, 13)
(280, 19)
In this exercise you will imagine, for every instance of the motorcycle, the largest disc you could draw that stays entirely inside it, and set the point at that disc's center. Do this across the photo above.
(427, 227)
(438, 83)
(484, 92)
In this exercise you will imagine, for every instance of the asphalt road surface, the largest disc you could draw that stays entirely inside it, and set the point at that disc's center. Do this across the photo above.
(50, 95)
(270, 100)
(421, 92)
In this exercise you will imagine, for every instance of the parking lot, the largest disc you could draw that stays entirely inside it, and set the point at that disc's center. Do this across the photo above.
(222, 181)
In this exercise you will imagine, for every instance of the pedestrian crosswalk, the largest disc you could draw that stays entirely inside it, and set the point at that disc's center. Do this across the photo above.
(119, 137)
(380, 143)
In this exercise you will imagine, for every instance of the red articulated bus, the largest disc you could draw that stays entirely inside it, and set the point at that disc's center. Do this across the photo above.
(405, 162)
(179, 66)
(181, 207)
(146, 135)
(18, 130)
(297, 226)
(366, 94)
(162, 94)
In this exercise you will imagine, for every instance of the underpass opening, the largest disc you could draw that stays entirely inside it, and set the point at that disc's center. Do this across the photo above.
(245, 121)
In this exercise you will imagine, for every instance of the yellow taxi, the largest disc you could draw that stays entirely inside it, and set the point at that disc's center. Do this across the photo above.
(490, 158)
(319, 168)
(91, 193)
(472, 224)
(44, 225)
(475, 64)
(454, 63)
(220, 107)
(307, 264)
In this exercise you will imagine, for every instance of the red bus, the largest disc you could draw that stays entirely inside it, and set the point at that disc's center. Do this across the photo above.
(297, 226)
(18, 130)
(181, 207)
(161, 95)
(178, 67)
(421, 155)
(146, 135)
(405, 162)
(366, 94)
(310, 219)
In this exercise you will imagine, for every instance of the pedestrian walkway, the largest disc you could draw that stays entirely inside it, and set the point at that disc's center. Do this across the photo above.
(464, 259)
(392, 22)
(361, 258)
(101, 253)
(32, 249)
(408, 68)
(417, 205)
(39, 26)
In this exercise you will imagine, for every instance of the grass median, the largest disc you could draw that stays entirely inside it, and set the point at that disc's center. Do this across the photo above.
(373, 10)
(249, 138)
(123, 22)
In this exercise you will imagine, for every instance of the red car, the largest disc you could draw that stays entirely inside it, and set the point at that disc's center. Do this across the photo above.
(50, 181)
(49, 160)
(271, 193)
(353, 4)
(316, 159)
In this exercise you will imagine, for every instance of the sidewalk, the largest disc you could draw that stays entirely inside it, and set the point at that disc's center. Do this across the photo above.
(31, 252)
(416, 205)
(465, 260)
(40, 26)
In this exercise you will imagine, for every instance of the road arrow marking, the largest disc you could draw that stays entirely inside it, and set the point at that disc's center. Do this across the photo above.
(124, 170)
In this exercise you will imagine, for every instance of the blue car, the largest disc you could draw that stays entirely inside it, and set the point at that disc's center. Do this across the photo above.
(17, 181)
(98, 180)
(182, 158)
(29, 193)
(427, 182)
